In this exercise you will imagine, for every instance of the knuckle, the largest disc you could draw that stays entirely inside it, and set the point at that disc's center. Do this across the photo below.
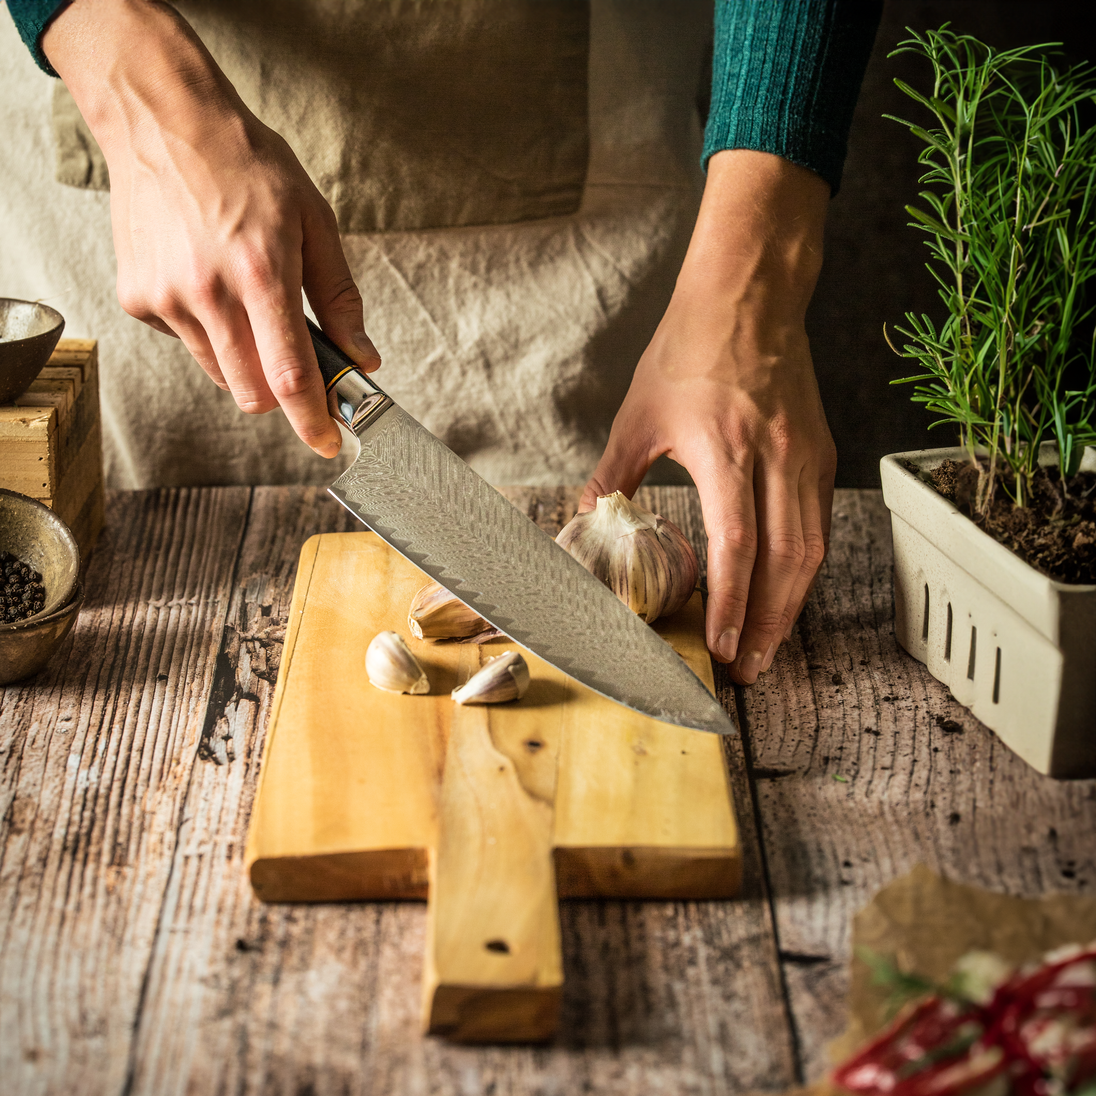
(786, 549)
(345, 296)
(132, 301)
(251, 403)
(736, 539)
(814, 552)
(766, 620)
(731, 598)
(255, 271)
(783, 442)
(327, 215)
(145, 304)
(204, 293)
(290, 380)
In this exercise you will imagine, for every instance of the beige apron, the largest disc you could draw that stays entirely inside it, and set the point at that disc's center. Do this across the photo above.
(386, 104)
(516, 183)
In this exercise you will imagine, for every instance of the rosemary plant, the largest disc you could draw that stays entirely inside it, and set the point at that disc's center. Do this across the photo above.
(1010, 216)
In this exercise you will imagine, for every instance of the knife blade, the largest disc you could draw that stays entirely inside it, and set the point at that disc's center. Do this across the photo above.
(428, 504)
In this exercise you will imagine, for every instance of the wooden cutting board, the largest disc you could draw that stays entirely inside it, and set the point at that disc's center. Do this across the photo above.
(490, 813)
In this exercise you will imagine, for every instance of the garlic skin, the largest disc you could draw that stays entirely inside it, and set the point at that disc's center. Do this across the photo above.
(505, 677)
(392, 667)
(436, 613)
(643, 558)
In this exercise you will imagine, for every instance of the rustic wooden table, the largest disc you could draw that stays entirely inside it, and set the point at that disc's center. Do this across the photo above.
(135, 959)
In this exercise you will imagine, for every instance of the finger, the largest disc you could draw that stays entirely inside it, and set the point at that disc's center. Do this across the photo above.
(231, 345)
(331, 290)
(291, 371)
(727, 503)
(814, 552)
(193, 336)
(628, 454)
(779, 561)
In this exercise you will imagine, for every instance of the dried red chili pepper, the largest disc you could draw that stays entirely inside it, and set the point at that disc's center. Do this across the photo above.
(1039, 1027)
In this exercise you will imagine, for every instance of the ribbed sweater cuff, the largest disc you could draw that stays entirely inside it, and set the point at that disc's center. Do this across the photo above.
(32, 17)
(785, 77)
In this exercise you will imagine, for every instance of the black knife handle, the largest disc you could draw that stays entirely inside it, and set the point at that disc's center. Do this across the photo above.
(334, 364)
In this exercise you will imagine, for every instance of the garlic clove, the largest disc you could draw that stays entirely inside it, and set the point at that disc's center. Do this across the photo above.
(645, 559)
(505, 677)
(391, 665)
(436, 613)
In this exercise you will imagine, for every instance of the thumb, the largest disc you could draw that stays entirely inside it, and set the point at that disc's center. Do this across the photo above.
(623, 465)
(332, 293)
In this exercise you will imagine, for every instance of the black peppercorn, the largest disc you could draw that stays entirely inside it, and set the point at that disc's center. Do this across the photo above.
(21, 591)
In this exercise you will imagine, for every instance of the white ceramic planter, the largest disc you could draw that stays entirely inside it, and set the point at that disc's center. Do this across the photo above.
(1015, 647)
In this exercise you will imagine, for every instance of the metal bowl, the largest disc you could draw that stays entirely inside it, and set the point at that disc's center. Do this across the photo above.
(34, 534)
(26, 646)
(28, 334)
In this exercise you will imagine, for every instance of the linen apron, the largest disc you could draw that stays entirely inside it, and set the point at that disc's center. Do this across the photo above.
(515, 182)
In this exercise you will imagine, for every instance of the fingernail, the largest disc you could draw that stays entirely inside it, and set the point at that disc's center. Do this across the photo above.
(750, 667)
(767, 661)
(788, 632)
(727, 645)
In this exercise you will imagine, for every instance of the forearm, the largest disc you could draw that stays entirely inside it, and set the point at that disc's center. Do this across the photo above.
(137, 72)
(756, 251)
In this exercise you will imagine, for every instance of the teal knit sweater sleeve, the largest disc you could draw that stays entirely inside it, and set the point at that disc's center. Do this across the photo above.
(785, 77)
(32, 17)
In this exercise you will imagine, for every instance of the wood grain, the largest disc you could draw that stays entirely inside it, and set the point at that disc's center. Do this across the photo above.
(98, 754)
(358, 770)
(232, 995)
(359, 791)
(642, 809)
(51, 440)
(494, 965)
(864, 766)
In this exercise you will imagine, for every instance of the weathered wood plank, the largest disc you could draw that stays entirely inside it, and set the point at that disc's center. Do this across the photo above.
(663, 998)
(864, 766)
(97, 757)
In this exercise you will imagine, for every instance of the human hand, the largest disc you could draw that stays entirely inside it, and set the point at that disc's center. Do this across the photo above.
(727, 389)
(217, 227)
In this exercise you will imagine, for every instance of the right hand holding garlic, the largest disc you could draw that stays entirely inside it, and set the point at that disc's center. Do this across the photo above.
(726, 388)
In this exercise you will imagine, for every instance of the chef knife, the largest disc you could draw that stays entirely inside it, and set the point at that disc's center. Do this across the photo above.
(421, 498)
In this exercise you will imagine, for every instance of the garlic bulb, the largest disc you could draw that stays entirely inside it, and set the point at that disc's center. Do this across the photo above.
(505, 677)
(391, 665)
(437, 614)
(643, 558)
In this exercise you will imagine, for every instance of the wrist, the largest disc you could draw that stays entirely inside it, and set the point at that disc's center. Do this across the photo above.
(135, 64)
(756, 250)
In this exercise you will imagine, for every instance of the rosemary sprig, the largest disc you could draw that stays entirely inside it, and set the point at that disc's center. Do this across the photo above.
(1010, 218)
(902, 985)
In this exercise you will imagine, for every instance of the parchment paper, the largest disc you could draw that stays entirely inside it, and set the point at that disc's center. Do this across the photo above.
(925, 923)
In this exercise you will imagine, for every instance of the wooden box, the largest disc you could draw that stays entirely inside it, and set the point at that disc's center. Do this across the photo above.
(51, 440)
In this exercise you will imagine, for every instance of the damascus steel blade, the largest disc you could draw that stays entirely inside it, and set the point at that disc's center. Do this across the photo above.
(430, 506)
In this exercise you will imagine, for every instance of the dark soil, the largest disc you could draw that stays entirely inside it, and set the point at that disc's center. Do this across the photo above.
(21, 591)
(1056, 533)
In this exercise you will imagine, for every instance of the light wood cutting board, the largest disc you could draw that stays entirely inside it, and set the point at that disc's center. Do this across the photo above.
(490, 813)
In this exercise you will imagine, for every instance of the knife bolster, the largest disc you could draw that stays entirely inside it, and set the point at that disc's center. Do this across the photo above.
(356, 401)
